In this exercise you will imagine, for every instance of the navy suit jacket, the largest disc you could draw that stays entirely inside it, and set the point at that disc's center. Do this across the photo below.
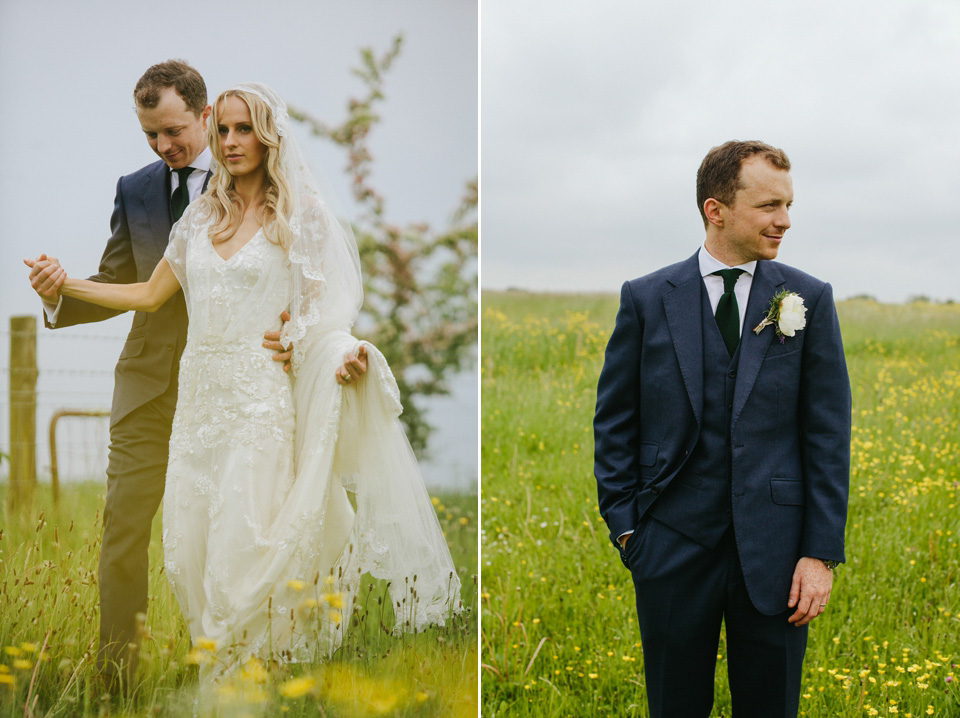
(790, 430)
(140, 227)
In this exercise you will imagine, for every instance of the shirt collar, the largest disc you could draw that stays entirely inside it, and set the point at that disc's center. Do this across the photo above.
(710, 264)
(201, 161)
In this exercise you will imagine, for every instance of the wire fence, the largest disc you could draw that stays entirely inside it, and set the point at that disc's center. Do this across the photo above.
(74, 373)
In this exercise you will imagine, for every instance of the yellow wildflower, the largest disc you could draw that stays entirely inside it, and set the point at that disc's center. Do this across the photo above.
(296, 585)
(254, 670)
(334, 600)
(205, 644)
(297, 687)
(197, 657)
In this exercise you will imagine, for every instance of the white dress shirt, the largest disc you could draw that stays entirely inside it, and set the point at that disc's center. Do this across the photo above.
(201, 165)
(714, 285)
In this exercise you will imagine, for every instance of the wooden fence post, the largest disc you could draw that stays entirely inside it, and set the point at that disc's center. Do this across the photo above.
(23, 413)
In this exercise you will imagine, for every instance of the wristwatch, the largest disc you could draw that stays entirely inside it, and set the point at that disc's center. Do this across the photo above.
(829, 563)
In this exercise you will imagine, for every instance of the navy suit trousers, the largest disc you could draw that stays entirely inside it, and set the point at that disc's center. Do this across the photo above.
(681, 605)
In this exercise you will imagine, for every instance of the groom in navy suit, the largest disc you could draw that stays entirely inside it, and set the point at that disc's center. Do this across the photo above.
(722, 457)
(171, 104)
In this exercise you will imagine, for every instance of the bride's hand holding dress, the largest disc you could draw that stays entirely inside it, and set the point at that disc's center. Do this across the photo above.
(354, 366)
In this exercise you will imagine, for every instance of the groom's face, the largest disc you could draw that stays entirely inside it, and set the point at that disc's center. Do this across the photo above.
(173, 131)
(754, 224)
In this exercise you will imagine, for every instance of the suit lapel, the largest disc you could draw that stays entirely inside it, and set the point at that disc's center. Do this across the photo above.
(753, 347)
(684, 317)
(156, 204)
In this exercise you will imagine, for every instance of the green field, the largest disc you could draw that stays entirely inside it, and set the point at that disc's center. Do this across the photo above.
(49, 622)
(559, 631)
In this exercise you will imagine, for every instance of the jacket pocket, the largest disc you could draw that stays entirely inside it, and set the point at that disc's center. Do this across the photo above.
(636, 538)
(787, 492)
(132, 348)
(648, 454)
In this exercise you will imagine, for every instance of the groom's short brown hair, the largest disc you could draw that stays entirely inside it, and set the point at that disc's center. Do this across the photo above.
(177, 74)
(719, 173)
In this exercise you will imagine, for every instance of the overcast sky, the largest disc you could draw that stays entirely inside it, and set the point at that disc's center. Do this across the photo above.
(595, 117)
(67, 72)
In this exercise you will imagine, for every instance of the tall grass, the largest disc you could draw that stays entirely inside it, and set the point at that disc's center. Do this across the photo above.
(49, 624)
(559, 633)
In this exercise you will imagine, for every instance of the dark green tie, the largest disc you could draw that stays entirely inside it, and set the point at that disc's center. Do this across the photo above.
(181, 195)
(728, 313)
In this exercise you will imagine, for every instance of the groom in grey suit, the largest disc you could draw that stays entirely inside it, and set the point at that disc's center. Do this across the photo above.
(722, 451)
(171, 104)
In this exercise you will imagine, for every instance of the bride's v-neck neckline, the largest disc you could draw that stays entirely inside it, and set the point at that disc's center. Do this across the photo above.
(242, 247)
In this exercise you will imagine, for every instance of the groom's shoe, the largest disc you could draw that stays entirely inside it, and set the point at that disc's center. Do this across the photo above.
(107, 684)
(116, 676)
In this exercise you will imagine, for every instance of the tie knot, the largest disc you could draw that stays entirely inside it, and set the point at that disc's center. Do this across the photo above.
(729, 277)
(182, 175)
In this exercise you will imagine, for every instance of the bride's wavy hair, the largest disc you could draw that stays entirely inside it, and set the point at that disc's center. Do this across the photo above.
(222, 199)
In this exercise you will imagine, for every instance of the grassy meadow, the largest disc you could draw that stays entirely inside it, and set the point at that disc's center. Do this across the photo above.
(559, 632)
(49, 625)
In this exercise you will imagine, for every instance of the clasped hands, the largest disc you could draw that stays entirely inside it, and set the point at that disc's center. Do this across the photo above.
(47, 277)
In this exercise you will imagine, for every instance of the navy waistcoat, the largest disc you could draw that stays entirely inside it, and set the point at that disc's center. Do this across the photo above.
(697, 501)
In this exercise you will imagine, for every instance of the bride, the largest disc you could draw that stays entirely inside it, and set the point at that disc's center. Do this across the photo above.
(262, 544)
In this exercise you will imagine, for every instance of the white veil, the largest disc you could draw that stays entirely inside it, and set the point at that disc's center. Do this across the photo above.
(352, 435)
(327, 288)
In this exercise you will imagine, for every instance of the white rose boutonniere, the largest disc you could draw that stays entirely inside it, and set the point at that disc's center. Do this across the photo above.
(787, 314)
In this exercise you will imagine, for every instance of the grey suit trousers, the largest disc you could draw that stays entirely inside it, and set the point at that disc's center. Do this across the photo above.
(136, 472)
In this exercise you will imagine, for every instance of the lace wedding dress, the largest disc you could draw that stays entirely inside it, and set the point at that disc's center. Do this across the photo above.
(262, 545)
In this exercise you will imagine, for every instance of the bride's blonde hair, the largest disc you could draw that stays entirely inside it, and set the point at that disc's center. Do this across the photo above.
(221, 198)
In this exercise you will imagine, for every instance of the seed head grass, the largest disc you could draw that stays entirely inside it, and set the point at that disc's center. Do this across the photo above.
(49, 626)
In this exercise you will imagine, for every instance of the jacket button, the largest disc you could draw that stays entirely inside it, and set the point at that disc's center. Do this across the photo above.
(732, 374)
(655, 490)
(169, 347)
